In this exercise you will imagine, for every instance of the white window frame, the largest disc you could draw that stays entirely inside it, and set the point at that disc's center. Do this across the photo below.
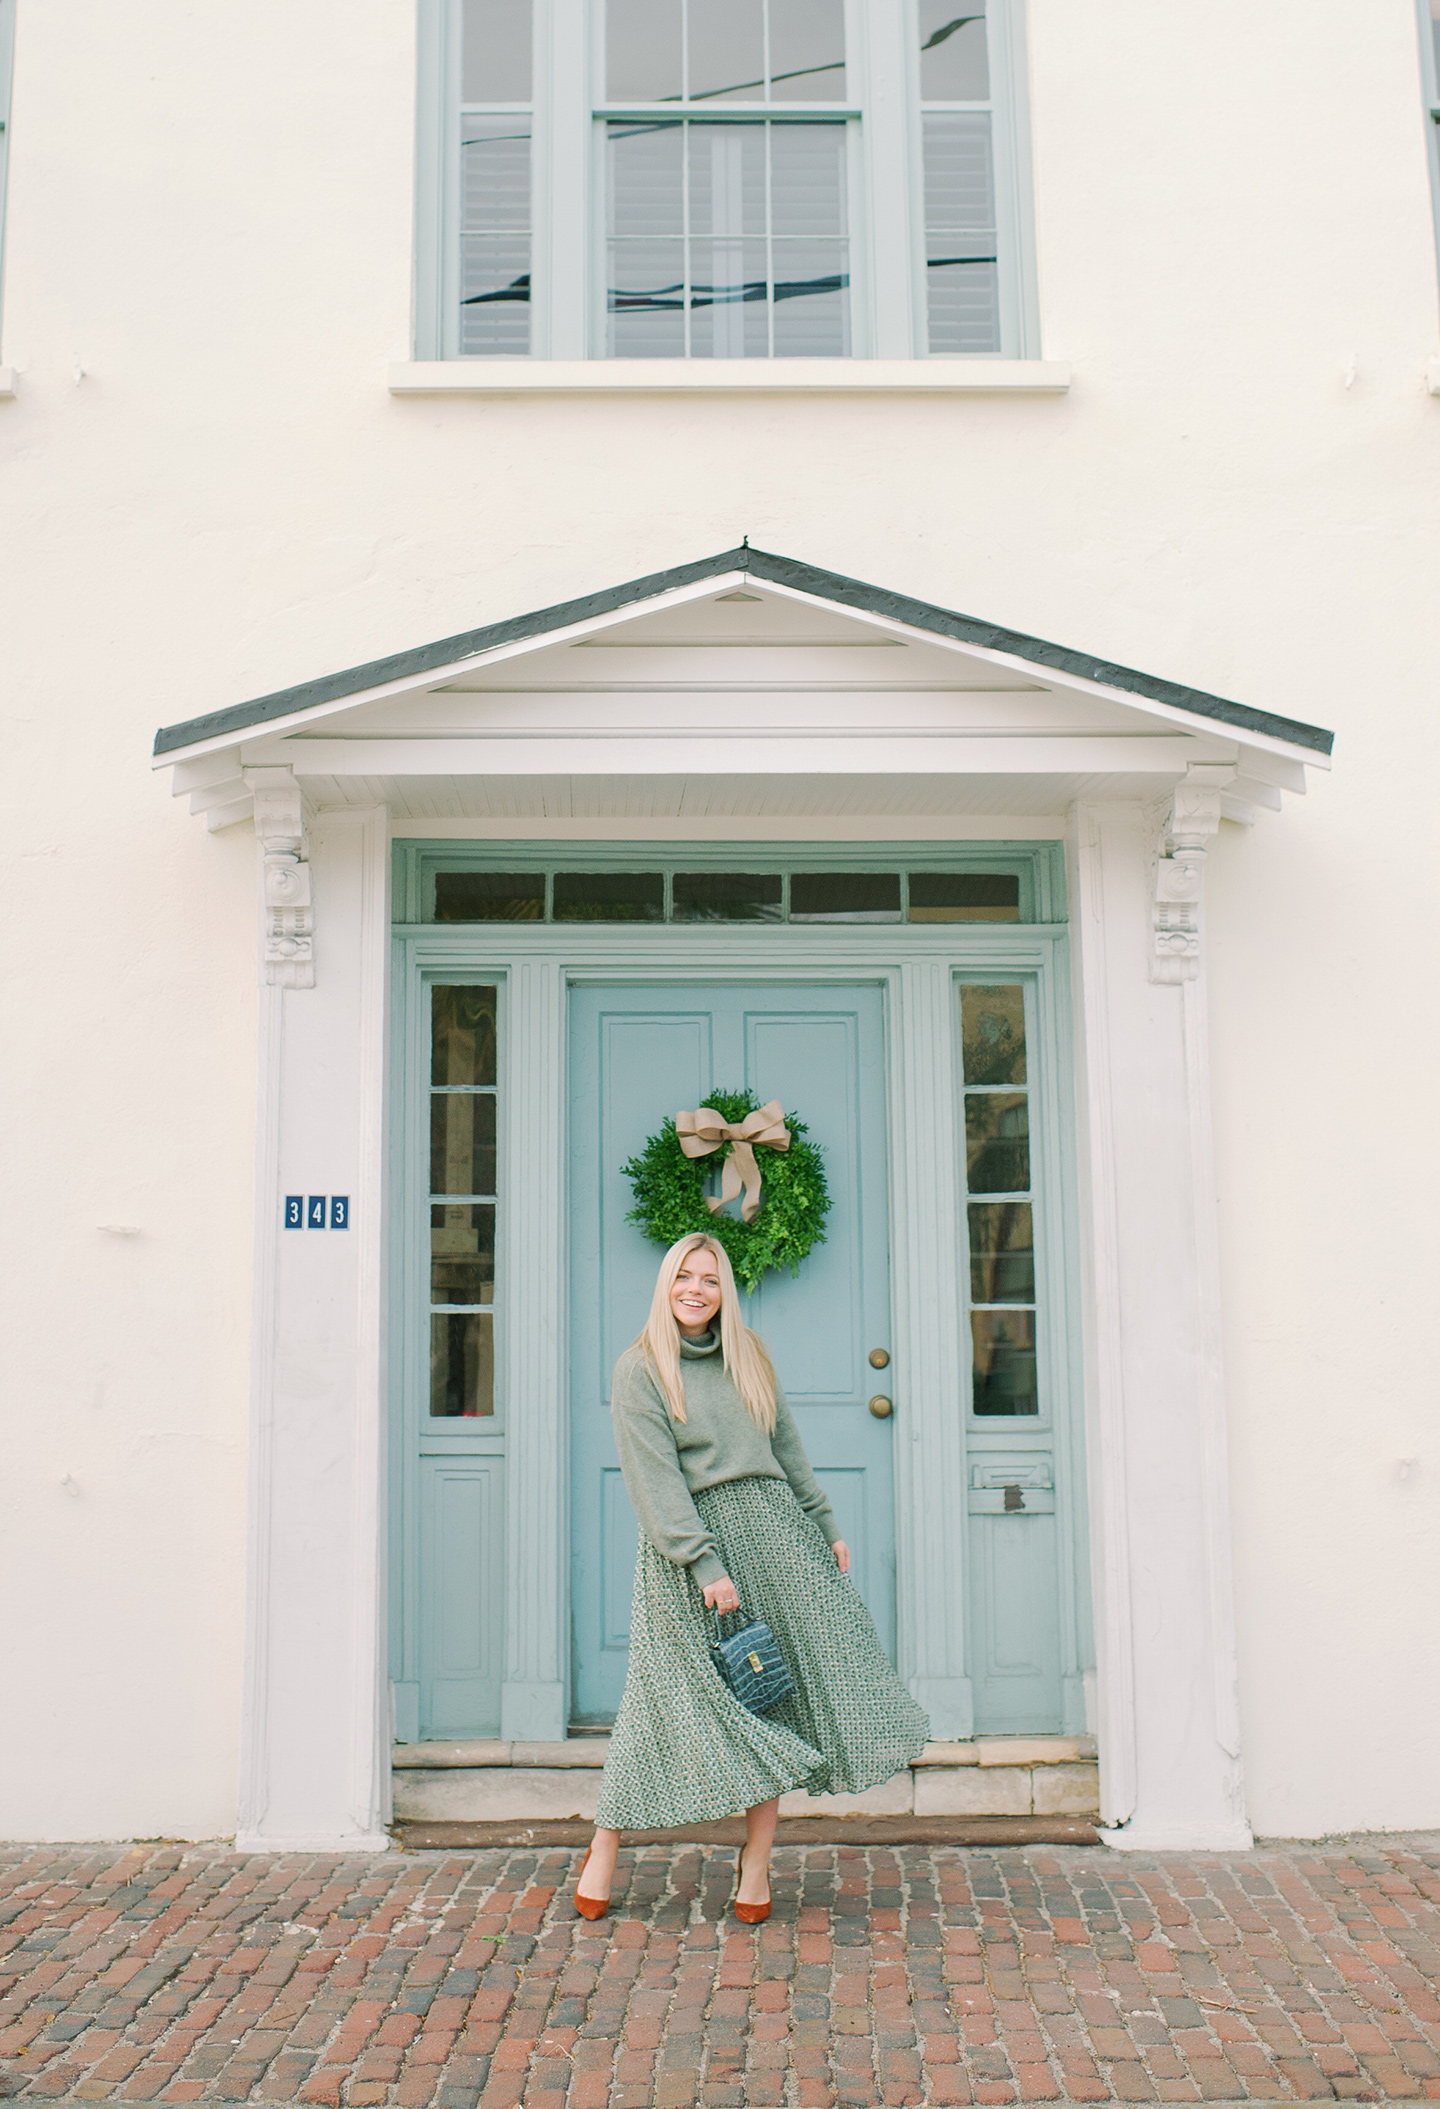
(1430, 79)
(7, 61)
(567, 274)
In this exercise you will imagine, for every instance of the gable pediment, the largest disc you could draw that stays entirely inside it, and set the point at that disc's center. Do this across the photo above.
(756, 676)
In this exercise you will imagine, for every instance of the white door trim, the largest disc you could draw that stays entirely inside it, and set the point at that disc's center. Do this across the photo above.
(315, 1730)
(1170, 1771)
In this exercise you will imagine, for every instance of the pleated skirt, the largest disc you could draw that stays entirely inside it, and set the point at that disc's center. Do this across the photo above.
(684, 1750)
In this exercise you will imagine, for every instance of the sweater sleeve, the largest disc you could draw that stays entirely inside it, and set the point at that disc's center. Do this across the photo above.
(790, 1456)
(653, 1478)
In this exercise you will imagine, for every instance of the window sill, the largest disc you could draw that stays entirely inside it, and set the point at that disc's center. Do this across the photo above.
(7, 383)
(1432, 376)
(730, 377)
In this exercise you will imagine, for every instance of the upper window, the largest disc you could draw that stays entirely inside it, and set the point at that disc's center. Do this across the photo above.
(7, 46)
(720, 179)
(962, 285)
(1430, 68)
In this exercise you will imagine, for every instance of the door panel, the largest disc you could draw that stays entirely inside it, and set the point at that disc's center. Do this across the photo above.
(636, 1055)
(814, 1324)
(1017, 1670)
(649, 1065)
(461, 1578)
(620, 1540)
(1014, 1570)
(848, 1490)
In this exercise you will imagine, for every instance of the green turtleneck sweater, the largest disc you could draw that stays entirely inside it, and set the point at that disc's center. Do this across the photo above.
(666, 1461)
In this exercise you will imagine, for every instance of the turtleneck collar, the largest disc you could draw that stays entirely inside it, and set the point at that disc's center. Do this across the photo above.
(707, 1344)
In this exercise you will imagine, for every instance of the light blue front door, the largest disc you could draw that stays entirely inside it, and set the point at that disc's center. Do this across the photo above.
(638, 1053)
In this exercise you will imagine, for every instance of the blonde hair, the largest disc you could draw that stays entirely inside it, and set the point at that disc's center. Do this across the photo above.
(744, 1353)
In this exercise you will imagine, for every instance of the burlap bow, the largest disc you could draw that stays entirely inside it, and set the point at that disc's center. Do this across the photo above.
(705, 1131)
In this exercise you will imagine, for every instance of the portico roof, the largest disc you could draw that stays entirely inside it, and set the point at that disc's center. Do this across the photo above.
(743, 687)
(310, 698)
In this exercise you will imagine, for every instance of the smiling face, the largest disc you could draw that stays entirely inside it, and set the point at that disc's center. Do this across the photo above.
(695, 1294)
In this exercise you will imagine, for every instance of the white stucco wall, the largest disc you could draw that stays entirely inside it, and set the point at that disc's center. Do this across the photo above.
(1233, 213)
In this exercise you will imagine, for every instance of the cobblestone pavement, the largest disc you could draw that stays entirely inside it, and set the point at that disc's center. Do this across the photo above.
(909, 1975)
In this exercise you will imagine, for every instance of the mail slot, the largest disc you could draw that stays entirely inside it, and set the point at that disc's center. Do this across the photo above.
(993, 1501)
(1012, 1486)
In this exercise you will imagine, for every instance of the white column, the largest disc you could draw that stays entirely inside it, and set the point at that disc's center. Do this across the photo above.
(315, 1772)
(533, 1700)
(930, 1364)
(1155, 1406)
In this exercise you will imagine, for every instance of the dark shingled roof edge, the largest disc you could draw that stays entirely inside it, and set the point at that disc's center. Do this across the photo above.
(780, 571)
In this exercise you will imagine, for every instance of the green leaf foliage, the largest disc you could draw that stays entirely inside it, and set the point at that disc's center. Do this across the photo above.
(670, 1187)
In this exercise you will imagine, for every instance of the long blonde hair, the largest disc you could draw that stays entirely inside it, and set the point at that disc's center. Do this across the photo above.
(744, 1353)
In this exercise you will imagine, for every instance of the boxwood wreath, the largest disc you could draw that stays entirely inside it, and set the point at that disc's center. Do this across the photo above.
(670, 1202)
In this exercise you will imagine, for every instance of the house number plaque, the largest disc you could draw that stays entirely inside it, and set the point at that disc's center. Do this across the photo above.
(317, 1211)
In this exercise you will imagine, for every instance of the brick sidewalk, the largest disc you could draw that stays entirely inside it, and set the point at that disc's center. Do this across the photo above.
(910, 1975)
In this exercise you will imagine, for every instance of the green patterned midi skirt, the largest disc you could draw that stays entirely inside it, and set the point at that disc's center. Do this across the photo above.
(684, 1750)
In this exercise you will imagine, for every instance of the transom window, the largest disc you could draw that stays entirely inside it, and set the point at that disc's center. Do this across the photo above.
(702, 883)
(720, 179)
(718, 896)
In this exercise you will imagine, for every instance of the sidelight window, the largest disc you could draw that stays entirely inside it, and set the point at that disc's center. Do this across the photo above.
(1000, 1204)
(722, 179)
(463, 1128)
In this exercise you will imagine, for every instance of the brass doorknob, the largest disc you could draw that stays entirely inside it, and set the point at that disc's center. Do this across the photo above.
(879, 1358)
(881, 1407)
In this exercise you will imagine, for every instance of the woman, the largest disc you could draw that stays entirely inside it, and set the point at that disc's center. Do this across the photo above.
(731, 1515)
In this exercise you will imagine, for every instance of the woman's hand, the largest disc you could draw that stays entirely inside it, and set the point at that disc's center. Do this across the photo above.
(842, 1555)
(723, 1596)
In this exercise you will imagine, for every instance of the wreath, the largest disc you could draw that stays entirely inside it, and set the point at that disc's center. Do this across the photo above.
(670, 1197)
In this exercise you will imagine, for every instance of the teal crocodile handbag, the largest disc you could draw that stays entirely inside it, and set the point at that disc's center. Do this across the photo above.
(751, 1664)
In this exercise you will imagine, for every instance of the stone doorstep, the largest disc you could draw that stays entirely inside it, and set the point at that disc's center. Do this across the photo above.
(588, 1751)
(582, 1751)
(484, 1781)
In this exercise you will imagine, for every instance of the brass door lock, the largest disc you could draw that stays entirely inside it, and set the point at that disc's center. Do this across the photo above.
(879, 1358)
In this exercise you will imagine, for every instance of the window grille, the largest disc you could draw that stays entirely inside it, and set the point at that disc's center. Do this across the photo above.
(720, 179)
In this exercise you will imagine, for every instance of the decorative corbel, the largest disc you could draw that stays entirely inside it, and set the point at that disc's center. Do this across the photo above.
(1190, 819)
(287, 911)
